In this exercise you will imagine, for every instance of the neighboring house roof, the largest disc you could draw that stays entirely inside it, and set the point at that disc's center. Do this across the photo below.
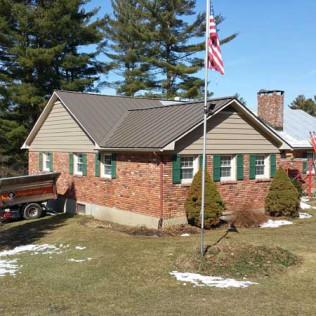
(296, 127)
(297, 124)
(137, 123)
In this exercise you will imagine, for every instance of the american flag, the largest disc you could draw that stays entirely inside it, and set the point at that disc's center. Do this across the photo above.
(215, 60)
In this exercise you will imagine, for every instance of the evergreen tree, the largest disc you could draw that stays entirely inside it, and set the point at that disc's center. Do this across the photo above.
(154, 46)
(126, 35)
(213, 207)
(307, 105)
(40, 51)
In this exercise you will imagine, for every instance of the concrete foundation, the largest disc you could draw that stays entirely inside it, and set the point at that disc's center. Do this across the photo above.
(113, 215)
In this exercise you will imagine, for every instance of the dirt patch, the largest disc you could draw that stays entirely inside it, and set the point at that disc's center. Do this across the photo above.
(171, 231)
(235, 259)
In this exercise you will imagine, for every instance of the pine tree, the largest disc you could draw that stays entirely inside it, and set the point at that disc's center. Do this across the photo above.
(154, 47)
(307, 105)
(126, 35)
(40, 51)
(213, 206)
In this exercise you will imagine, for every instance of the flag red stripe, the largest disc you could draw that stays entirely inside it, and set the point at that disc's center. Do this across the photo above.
(215, 60)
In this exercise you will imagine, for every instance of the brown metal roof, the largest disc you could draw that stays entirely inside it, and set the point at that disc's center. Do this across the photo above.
(99, 114)
(159, 126)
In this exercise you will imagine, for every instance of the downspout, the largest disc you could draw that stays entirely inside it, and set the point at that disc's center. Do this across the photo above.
(161, 189)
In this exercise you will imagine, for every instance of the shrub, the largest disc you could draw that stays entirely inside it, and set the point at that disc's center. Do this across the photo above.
(213, 207)
(249, 218)
(283, 198)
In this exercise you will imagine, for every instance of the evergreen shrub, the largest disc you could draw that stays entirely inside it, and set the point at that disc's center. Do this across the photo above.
(283, 197)
(213, 207)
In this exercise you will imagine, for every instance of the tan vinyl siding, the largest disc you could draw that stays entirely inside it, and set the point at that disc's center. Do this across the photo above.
(60, 132)
(228, 133)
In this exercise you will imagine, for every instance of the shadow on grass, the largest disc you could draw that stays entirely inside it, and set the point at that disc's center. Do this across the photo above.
(29, 232)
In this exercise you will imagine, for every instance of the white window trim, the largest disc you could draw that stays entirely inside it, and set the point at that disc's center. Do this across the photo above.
(233, 176)
(195, 168)
(45, 158)
(76, 171)
(102, 166)
(267, 168)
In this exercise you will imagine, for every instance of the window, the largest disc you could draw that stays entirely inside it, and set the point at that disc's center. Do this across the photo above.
(189, 167)
(106, 166)
(262, 166)
(228, 168)
(81, 208)
(47, 162)
(78, 164)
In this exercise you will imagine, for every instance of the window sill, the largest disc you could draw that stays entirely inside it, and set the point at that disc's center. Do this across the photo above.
(228, 182)
(263, 180)
(106, 179)
(78, 175)
(185, 183)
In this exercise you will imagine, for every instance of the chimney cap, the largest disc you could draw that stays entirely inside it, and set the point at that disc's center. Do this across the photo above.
(264, 91)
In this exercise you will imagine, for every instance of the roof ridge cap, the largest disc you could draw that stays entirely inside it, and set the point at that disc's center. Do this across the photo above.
(112, 96)
(182, 103)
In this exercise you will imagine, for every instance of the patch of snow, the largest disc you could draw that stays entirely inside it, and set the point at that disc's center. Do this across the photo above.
(35, 249)
(8, 267)
(211, 281)
(305, 206)
(275, 223)
(185, 235)
(11, 267)
(304, 199)
(304, 215)
(80, 247)
(79, 260)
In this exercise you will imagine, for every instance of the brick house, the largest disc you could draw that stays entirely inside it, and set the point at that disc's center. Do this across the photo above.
(131, 160)
(293, 125)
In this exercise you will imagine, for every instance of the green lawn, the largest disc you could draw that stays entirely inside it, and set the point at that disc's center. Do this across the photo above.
(130, 275)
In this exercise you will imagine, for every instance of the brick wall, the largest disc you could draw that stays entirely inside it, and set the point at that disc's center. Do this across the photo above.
(135, 189)
(236, 194)
(295, 168)
(137, 186)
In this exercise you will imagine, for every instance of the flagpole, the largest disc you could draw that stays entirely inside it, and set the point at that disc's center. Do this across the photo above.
(205, 121)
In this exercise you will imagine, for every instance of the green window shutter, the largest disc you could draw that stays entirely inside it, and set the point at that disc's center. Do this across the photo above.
(51, 160)
(216, 168)
(305, 166)
(252, 167)
(240, 167)
(176, 169)
(97, 165)
(201, 162)
(84, 158)
(113, 166)
(71, 163)
(40, 161)
(272, 165)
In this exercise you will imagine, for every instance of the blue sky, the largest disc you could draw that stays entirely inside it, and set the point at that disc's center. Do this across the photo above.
(275, 48)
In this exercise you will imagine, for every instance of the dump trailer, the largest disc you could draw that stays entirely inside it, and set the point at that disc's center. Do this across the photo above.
(25, 196)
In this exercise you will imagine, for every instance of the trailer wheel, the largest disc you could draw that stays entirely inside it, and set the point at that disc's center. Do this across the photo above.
(32, 210)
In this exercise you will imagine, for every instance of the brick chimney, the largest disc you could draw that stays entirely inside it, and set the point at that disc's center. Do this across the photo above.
(271, 107)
